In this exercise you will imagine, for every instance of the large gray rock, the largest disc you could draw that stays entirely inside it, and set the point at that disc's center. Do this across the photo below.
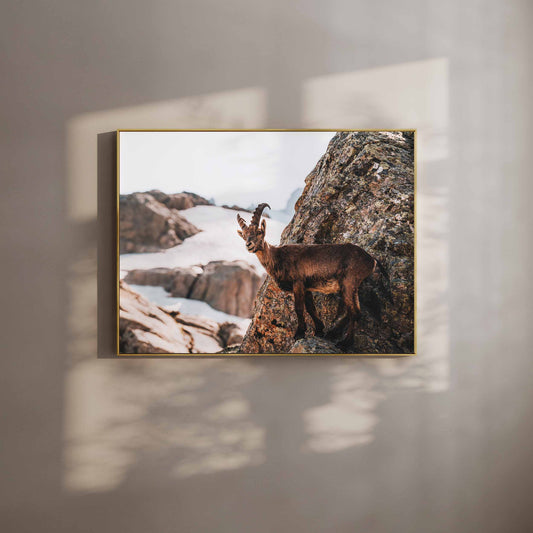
(147, 225)
(362, 192)
(229, 286)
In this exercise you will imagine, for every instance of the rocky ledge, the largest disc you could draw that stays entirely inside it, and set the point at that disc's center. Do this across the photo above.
(362, 192)
(146, 328)
(228, 286)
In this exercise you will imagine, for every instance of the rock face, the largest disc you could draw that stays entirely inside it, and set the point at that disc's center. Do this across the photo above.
(146, 328)
(362, 192)
(229, 286)
(148, 225)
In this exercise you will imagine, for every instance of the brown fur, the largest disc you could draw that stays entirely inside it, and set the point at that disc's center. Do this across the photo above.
(306, 268)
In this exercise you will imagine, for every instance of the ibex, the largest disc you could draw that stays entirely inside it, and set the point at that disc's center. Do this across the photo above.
(306, 268)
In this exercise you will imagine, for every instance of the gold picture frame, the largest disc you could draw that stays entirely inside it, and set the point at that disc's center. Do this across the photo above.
(232, 355)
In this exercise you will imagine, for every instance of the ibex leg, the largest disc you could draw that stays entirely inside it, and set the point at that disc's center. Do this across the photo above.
(299, 305)
(349, 296)
(339, 325)
(357, 305)
(311, 309)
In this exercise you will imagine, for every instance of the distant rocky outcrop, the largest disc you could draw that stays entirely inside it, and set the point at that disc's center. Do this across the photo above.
(285, 214)
(229, 286)
(148, 225)
(145, 328)
(362, 192)
(156, 277)
(181, 200)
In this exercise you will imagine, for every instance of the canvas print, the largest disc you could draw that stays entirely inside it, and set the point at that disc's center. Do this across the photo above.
(266, 242)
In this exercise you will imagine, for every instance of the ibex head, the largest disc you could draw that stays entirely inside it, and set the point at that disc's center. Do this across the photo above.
(254, 234)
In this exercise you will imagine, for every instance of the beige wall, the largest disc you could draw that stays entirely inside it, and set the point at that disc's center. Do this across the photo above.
(440, 442)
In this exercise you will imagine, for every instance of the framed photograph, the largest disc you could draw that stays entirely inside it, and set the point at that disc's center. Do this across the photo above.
(266, 242)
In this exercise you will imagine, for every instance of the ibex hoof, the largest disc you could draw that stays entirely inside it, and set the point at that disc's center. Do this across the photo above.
(346, 344)
(300, 334)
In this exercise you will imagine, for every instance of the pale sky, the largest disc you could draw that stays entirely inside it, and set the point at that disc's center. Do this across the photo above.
(232, 167)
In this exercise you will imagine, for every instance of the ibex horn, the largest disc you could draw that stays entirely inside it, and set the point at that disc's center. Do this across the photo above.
(257, 214)
(241, 222)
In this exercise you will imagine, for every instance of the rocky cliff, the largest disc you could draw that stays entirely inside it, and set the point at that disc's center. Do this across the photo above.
(145, 328)
(148, 224)
(362, 192)
(229, 286)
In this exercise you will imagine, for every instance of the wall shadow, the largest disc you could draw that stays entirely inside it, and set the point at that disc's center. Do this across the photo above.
(107, 245)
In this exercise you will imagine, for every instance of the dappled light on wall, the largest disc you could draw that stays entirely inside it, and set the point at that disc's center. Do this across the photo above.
(413, 95)
(116, 416)
(156, 421)
(148, 423)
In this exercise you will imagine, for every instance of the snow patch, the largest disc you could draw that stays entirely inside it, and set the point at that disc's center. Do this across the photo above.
(218, 241)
